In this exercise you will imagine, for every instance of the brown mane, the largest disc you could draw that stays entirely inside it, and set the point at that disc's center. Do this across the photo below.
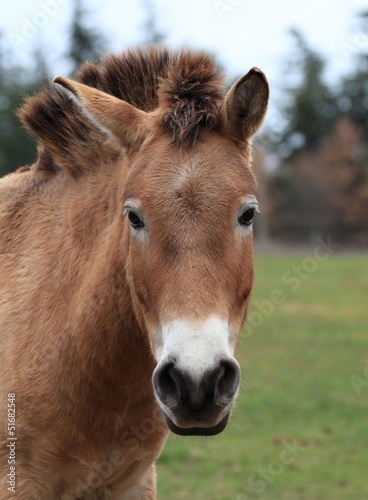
(185, 85)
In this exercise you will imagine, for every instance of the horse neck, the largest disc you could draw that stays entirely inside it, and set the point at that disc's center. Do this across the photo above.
(106, 359)
(86, 354)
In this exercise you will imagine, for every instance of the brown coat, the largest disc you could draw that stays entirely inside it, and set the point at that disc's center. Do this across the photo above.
(77, 316)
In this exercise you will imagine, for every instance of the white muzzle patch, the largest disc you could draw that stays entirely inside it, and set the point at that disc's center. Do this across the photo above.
(195, 346)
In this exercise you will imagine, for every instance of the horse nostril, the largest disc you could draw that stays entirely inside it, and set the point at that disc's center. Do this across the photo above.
(166, 383)
(215, 388)
(227, 379)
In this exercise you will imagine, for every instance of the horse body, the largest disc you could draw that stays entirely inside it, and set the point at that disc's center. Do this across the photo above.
(63, 353)
(126, 270)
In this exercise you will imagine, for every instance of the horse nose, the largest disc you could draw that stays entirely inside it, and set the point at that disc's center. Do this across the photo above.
(216, 387)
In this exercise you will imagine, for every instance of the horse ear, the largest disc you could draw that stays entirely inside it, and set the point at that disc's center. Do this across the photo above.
(122, 122)
(246, 104)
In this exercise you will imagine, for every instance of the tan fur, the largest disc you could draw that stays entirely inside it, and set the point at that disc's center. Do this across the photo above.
(80, 297)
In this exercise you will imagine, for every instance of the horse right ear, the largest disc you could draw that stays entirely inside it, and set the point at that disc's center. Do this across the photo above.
(122, 122)
(246, 105)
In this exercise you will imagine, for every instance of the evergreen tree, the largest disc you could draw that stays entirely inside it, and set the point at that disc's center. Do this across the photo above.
(354, 89)
(85, 43)
(17, 148)
(310, 110)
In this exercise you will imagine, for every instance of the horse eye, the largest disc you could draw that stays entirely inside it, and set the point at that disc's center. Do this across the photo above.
(135, 221)
(246, 218)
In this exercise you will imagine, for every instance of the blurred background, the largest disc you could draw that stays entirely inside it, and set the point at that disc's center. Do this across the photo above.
(300, 428)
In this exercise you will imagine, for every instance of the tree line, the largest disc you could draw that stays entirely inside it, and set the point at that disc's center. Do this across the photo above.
(319, 185)
(17, 148)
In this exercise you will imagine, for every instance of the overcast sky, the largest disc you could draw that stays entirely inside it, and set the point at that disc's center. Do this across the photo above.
(242, 33)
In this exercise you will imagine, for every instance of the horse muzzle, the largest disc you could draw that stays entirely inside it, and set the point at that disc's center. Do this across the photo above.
(198, 405)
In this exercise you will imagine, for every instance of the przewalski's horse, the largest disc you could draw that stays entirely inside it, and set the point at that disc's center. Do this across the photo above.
(126, 269)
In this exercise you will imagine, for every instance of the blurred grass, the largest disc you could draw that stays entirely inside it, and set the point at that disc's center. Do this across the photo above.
(296, 390)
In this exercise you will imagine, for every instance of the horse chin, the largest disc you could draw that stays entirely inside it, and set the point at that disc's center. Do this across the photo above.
(197, 431)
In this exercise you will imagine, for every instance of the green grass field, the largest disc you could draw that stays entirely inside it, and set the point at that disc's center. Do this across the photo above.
(300, 428)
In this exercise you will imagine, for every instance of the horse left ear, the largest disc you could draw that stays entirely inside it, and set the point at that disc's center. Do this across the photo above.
(246, 105)
(121, 121)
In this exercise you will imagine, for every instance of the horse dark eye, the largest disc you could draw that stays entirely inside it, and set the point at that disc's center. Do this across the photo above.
(246, 218)
(135, 221)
